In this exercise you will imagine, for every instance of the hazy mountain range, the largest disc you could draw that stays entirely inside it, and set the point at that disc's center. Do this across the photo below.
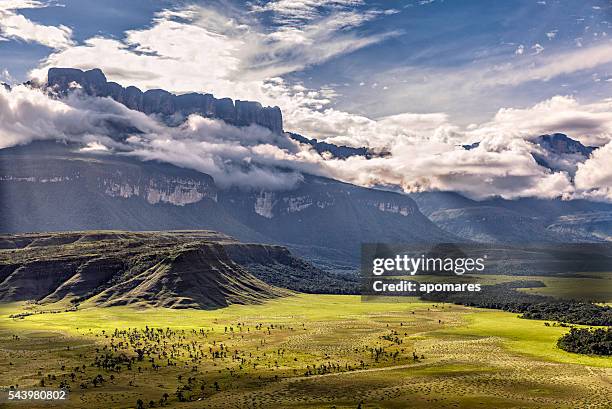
(58, 185)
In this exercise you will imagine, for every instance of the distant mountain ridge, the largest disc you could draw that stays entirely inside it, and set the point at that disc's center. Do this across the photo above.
(337, 151)
(157, 101)
(54, 186)
(561, 144)
(559, 152)
(519, 221)
(49, 186)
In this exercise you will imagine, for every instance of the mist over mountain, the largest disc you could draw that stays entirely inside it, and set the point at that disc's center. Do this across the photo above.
(556, 152)
(119, 158)
(49, 186)
(242, 147)
(560, 152)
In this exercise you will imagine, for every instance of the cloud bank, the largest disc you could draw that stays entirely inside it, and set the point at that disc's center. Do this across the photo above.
(232, 53)
(430, 158)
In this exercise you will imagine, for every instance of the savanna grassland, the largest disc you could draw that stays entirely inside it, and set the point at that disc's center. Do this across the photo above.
(302, 351)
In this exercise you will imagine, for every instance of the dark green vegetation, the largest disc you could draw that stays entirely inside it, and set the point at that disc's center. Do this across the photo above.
(587, 341)
(505, 297)
(299, 275)
(569, 312)
(234, 338)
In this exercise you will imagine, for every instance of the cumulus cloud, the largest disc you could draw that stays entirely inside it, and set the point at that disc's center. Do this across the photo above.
(591, 123)
(348, 129)
(229, 53)
(15, 26)
(502, 165)
(498, 167)
(594, 177)
(248, 157)
(425, 150)
(234, 55)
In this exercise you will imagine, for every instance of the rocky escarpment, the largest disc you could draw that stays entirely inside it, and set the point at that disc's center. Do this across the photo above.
(164, 103)
(125, 181)
(48, 186)
(589, 225)
(519, 221)
(188, 269)
(336, 151)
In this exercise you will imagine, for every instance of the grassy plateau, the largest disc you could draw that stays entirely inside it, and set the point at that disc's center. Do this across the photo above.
(302, 351)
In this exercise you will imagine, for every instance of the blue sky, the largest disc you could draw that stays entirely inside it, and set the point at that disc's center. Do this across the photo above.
(417, 78)
(383, 58)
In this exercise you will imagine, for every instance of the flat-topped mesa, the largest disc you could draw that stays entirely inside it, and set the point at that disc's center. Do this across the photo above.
(159, 101)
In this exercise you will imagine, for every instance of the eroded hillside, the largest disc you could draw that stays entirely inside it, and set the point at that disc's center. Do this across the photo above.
(188, 269)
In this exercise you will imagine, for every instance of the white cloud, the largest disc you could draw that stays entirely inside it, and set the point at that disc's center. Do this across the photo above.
(232, 54)
(537, 49)
(233, 156)
(477, 90)
(225, 56)
(594, 177)
(520, 50)
(590, 123)
(16, 26)
(423, 150)
(300, 11)
(28, 114)
(559, 64)
(6, 76)
(496, 168)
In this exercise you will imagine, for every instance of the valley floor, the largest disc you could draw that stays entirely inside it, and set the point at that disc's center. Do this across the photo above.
(303, 351)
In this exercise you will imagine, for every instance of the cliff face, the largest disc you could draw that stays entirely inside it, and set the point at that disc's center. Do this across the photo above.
(158, 101)
(47, 186)
(124, 179)
(188, 269)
